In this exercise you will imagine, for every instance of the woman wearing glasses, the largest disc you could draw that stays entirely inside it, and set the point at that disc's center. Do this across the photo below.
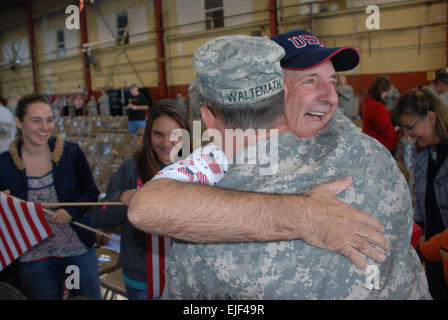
(423, 115)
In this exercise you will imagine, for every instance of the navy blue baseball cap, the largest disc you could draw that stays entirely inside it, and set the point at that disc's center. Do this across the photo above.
(304, 50)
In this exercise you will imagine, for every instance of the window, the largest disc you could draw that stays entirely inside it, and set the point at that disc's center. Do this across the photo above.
(122, 22)
(60, 42)
(15, 50)
(214, 14)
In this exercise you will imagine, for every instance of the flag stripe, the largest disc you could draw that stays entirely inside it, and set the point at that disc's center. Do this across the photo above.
(161, 263)
(29, 232)
(2, 254)
(23, 235)
(7, 219)
(31, 222)
(37, 210)
(212, 164)
(22, 225)
(157, 248)
(149, 265)
(4, 240)
(155, 265)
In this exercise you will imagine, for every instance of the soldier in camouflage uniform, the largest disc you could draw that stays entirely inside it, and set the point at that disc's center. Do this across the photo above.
(294, 269)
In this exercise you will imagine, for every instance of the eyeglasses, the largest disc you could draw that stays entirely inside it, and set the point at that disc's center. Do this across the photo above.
(412, 126)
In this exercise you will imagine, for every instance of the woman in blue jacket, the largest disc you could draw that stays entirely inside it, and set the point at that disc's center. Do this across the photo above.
(42, 168)
(423, 115)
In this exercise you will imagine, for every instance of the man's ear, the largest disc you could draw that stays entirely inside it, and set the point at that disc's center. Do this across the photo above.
(208, 118)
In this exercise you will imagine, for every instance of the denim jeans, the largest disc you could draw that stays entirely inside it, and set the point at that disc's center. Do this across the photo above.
(134, 125)
(44, 280)
(135, 294)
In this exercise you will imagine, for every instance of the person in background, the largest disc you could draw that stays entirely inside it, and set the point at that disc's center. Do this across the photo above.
(64, 106)
(440, 85)
(12, 104)
(136, 108)
(71, 106)
(79, 105)
(7, 128)
(391, 99)
(56, 108)
(142, 280)
(346, 97)
(422, 115)
(92, 107)
(46, 169)
(376, 121)
(104, 104)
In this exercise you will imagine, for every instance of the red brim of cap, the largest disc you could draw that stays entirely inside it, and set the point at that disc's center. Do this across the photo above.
(343, 59)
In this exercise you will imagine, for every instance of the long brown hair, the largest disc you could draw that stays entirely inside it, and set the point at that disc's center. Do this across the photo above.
(418, 102)
(378, 86)
(146, 159)
(26, 100)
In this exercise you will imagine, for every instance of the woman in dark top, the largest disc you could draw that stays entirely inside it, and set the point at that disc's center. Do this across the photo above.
(423, 115)
(42, 168)
(142, 255)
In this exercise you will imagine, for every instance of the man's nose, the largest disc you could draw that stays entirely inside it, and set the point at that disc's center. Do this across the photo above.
(328, 93)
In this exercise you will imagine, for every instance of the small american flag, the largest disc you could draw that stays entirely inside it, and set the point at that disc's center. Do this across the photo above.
(212, 164)
(22, 226)
(186, 172)
(202, 178)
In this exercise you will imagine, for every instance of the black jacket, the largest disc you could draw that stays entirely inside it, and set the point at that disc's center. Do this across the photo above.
(72, 177)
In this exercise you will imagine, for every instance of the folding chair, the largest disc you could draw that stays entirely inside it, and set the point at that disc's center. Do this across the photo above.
(113, 283)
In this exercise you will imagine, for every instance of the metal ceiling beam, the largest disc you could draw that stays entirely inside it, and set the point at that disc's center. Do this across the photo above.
(160, 48)
(84, 39)
(273, 25)
(32, 42)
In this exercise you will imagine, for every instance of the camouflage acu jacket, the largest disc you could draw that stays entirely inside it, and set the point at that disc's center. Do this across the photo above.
(294, 269)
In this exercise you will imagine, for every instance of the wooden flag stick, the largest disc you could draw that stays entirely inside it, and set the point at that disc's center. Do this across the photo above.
(74, 222)
(85, 227)
(78, 204)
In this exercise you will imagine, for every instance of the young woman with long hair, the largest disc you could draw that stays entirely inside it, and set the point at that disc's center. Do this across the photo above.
(142, 255)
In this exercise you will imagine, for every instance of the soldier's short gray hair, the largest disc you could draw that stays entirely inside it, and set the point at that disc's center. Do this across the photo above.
(265, 114)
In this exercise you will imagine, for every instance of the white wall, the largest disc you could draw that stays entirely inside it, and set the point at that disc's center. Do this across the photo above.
(103, 30)
(137, 21)
(71, 41)
(194, 11)
(49, 41)
(232, 7)
(189, 12)
(137, 24)
(365, 3)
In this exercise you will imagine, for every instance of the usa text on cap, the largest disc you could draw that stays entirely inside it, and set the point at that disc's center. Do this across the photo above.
(304, 50)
